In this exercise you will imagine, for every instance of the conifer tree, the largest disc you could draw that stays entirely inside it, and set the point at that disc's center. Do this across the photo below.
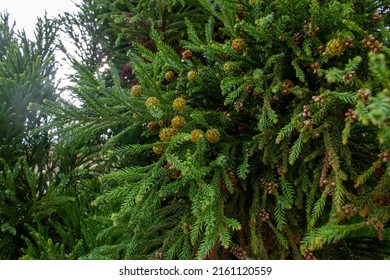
(27, 71)
(87, 32)
(65, 223)
(264, 138)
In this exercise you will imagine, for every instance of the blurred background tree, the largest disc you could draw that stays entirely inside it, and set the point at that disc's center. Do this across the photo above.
(27, 70)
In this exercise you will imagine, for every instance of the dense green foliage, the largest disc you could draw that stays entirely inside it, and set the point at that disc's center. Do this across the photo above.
(46, 187)
(26, 75)
(224, 130)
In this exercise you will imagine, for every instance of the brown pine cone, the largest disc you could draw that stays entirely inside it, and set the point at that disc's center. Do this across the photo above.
(297, 38)
(264, 216)
(309, 255)
(159, 256)
(238, 252)
(187, 54)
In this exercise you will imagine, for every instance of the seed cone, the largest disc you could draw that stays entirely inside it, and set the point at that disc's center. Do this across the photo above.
(335, 47)
(213, 135)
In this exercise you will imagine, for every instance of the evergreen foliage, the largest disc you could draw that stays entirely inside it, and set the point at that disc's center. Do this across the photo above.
(92, 44)
(26, 76)
(262, 133)
(46, 186)
(65, 224)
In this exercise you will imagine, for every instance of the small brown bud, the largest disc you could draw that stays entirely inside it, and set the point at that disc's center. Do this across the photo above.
(187, 54)
(152, 126)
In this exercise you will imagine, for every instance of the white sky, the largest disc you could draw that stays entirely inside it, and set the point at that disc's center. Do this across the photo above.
(26, 12)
